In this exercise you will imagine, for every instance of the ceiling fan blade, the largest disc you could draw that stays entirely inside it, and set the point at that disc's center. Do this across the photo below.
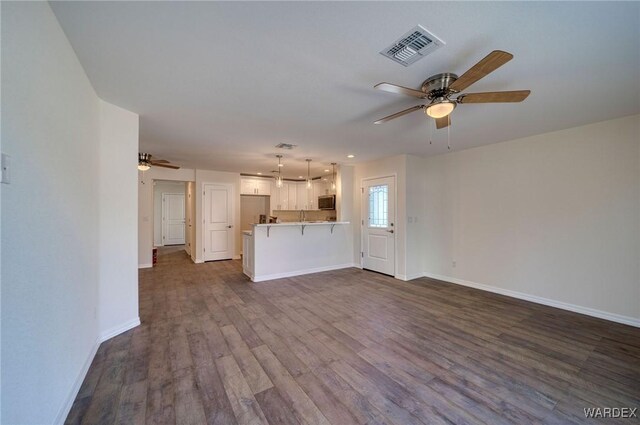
(443, 122)
(155, 164)
(490, 63)
(399, 114)
(392, 88)
(160, 161)
(494, 97)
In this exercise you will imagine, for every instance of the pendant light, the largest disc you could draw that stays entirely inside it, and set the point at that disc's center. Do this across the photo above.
(309, 183)
(279, 178)
(333, 176)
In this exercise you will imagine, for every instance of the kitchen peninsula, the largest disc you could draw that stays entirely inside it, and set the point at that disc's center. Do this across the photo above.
(278, 250)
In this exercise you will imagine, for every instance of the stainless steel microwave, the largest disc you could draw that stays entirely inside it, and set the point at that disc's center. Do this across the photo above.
(327, 202)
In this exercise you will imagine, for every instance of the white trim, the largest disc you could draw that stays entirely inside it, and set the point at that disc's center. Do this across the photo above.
(300, 272)
(145, 266)
(409, 277)
(236, 257)
(61, 417)
(117, 330)
(618, 318)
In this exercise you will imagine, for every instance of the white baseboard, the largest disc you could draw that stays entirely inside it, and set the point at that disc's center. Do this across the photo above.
(66, 408)
(626, 320)
(300, 272)
(145, 266)
(236, 257)
(408, 277)
(117, 330)
(61, 417)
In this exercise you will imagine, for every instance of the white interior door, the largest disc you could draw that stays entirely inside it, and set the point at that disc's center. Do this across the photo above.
(379, 242)
(217, 236)
(173, 221)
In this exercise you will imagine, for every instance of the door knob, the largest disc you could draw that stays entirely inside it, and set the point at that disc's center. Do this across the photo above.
(390, 231)
(230, 226)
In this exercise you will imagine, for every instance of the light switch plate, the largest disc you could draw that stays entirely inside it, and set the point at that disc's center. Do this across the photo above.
(6, 175)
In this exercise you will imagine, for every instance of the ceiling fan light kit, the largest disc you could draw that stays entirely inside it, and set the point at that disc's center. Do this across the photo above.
(145, 161)
(439, 89)
(440, 109)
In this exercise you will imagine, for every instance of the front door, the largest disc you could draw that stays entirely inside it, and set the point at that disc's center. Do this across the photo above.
(217, 220)
(379, 250)
(173, 219)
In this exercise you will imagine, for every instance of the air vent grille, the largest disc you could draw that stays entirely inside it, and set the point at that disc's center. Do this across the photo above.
(285, 146)
(412, 46)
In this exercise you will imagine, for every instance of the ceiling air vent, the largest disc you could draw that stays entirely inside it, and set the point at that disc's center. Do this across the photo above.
(285, 146)
(412, 46)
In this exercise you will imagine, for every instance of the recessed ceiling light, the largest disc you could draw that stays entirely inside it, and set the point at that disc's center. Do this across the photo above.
(325, 179)
(299, 177)
(280, 165)
(259, 173)
(351, 156)
(326, 171)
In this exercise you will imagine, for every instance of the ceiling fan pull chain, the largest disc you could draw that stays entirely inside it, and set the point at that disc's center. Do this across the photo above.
(449, 135)
(430, 131)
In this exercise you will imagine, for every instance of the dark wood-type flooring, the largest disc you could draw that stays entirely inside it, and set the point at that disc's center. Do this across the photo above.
(350, 347)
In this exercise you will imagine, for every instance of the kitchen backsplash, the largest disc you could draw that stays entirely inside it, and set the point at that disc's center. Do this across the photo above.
(309, 215)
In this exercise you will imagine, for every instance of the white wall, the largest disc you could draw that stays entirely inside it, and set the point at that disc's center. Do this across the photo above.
(159, 188)
(145, 206)
(415, 214)
(207, 176)
(118, 194)
(555, 216)
(68, 226)
(50, 117)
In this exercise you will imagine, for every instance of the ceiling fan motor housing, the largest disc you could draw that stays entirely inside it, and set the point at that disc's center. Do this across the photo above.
(438, 85)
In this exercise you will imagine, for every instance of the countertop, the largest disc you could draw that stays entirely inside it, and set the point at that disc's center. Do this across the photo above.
(301, 223)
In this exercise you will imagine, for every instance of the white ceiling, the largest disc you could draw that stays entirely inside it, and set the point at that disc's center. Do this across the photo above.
(218, 85)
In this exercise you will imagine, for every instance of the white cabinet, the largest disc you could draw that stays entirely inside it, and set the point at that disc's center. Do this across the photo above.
(279, 196)
(292, 200)
(293, 196)
(304, 197)
(254, 186)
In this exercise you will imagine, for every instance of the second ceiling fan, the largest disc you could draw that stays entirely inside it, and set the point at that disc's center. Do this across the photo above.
(439, 89)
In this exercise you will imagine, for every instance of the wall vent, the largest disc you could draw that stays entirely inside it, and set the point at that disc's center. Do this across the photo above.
(413, 46)
(285, 146)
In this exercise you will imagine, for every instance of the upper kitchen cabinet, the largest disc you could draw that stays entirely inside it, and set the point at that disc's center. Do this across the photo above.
(255, 186)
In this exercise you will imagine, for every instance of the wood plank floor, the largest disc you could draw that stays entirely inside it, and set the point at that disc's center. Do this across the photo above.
(350, 347)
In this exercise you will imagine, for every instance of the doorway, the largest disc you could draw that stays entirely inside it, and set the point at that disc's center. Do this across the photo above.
(378, 225)
(174, 214)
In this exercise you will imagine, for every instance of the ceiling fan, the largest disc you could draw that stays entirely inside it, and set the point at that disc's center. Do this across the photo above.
(439, 89)
(145, 161)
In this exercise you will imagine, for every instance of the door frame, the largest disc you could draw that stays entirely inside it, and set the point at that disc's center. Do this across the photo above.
(363, 208)
(162, 217)
(232, 207)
